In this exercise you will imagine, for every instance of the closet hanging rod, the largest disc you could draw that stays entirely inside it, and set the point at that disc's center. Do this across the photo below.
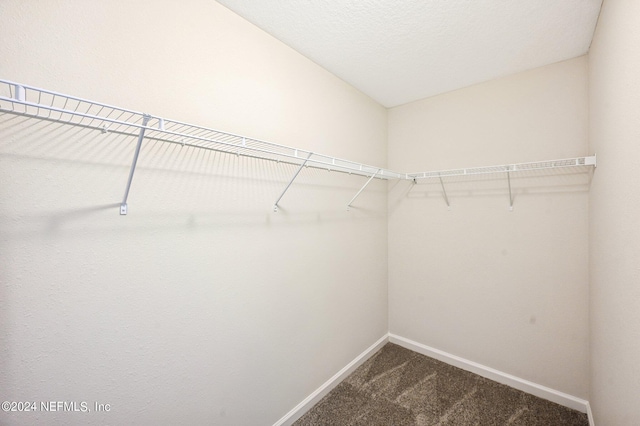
(25, 100)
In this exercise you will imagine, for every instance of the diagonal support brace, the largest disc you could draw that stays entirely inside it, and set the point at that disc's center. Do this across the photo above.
(444, 192)
(362, 189)
(123, 205)
(275, 205)
(510, 195)
(20, 93)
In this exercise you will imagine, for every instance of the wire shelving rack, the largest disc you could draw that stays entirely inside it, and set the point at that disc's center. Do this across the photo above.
(24, 100)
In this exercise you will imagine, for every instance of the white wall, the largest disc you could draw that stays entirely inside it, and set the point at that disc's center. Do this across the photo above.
(614, 67)
(508, 290)
(201, 306)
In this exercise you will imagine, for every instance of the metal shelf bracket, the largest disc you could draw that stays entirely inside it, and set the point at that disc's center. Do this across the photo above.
(123, 206)
(444, 192)
(363, 187)
(275, 205)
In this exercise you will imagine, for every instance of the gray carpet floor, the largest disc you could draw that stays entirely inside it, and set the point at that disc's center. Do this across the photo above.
(398, 387)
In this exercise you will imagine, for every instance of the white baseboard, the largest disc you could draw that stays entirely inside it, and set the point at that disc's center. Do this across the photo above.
(592, 422)
(319, 393)
(495, 375)
(479, 369)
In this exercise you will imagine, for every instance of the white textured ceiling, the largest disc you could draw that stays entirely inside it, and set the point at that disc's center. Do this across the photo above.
(405, 50)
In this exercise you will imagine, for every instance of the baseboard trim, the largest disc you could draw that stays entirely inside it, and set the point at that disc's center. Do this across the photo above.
(495, 375)
(592, 422)
(319, 393)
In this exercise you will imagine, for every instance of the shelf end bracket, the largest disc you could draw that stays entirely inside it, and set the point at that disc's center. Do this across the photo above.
(123, 205)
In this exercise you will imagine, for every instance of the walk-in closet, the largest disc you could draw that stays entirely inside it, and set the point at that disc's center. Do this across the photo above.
(353, 213)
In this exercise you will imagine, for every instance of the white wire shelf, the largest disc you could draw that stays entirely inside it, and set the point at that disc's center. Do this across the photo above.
(21, 99)
(580, 162)
(24, 100)
(577, 164)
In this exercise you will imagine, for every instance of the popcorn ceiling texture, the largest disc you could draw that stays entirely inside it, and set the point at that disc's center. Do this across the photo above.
(401, 52)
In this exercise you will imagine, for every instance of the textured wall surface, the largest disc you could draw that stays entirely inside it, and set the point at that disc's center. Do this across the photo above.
(398, 52)
(614, 67)
(202, 299)
(201, 306)
(508, 290)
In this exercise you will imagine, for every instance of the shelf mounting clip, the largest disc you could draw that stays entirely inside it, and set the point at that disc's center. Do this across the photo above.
(20, 93)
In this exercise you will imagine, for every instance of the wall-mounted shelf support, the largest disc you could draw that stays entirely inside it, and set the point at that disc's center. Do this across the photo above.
(362, 189)
(444, 192)
(123, 206)
(275, 205)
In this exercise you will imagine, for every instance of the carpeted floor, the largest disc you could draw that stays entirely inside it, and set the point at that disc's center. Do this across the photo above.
(398, 387)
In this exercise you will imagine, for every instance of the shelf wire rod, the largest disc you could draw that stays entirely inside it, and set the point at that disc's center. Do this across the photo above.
(118, 117)
(88, 109)
(97, 114)
(53, 101)
(77, 106)
(123, 206)
(444, 191)
(39, 101)
(64, 107)
(200, 132)
(275, 205)
(362, 189)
